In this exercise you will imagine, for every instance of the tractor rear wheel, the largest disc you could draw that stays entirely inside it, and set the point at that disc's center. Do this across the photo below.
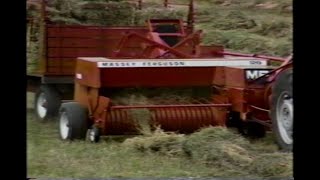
(282, 110)
(73, 121)
(47, 102)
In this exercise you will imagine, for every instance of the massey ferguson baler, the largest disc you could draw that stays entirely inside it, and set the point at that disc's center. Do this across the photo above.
(243, 89)
(236, 95)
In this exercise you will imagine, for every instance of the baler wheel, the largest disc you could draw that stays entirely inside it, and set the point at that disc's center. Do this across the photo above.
(73, 121)
(253, 130)
(282, 110)
(47, 103)
(94, 134)
(247, 128)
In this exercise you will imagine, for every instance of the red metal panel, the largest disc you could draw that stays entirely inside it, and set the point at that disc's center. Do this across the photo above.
(54, 70)
(78, 52)
(156, 77)
(57, 62)
(82, 42)
(234, 77)
(88, 43)
(81, 32)
(65, 66)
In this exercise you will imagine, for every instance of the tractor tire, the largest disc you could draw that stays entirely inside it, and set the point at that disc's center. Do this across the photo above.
(73, 121)
(282, 110)
(47, 102)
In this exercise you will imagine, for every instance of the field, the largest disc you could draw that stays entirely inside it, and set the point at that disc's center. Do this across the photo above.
(209, 153)
(252, 26)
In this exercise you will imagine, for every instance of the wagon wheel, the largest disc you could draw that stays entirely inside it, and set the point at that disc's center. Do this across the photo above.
(73, 121)
(282, 110)
(47, 103)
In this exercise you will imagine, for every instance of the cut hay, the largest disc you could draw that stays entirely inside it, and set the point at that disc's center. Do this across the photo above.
(148, 96)
(272, 165)
(169, 144)
(215, 147)
(218, 146)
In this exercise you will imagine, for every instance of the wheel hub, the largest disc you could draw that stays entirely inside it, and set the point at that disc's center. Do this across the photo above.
(285, 117)
(92, 135)
(64, 126)
(287, 114)
(42, 105)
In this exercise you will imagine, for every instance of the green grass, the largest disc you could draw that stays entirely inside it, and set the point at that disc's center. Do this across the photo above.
(211, 152)
(48, 156)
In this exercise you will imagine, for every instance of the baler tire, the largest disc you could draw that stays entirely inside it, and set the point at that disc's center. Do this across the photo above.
(253, 130)
(73, 121)
(94, 134)
(282, 102)
(49, 95)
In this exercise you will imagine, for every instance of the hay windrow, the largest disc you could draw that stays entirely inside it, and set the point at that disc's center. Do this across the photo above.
(216, 147)
(160, 142)
(272, 165)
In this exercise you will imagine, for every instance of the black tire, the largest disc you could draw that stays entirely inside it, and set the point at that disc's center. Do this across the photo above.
(252, 130)
(282, 110)
(248, 129)
(94, 134)
(73, 121)
(53, 101)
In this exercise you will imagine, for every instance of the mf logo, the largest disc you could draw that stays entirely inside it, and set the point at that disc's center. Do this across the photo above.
(254, 74)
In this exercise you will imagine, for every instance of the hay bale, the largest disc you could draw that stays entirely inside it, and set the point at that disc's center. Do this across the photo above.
(87, 12)
(32, 56)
